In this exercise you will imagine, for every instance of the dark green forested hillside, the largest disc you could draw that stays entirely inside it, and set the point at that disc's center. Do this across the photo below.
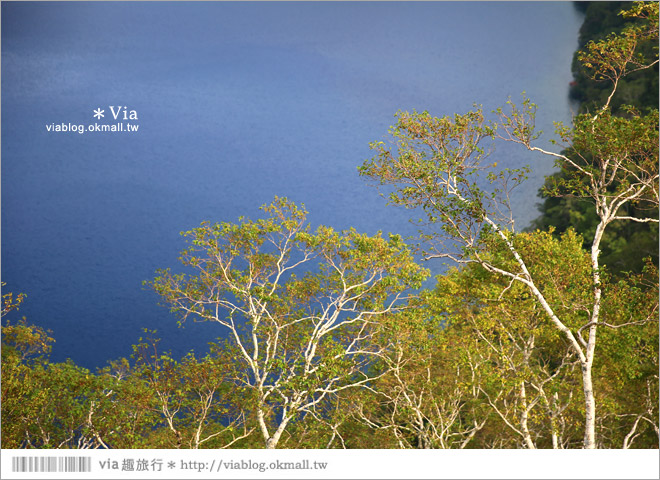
(639, 89)
(628, 244)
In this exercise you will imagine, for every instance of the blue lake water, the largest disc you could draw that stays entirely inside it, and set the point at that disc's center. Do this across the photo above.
(236, 103)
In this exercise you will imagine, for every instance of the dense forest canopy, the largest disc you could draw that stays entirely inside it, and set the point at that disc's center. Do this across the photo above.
(545, 338)
(631, 242)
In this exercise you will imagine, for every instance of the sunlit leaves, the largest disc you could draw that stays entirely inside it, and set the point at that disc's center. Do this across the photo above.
(300, 306)
(617, 55)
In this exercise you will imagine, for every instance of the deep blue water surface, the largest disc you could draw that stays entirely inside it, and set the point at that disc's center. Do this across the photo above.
(236, 103)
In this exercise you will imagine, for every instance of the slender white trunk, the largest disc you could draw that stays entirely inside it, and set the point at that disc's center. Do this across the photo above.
(262, 426)
(554, 413)
(555, 440)
(524, 418)
(627, 441)
(590, 408)
(587, 363)
(272, 441)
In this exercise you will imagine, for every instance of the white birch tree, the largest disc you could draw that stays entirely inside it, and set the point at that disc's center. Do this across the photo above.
(437, 165)
(300, 307)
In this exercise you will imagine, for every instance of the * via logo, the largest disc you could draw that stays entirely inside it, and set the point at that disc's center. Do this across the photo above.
(117, 112)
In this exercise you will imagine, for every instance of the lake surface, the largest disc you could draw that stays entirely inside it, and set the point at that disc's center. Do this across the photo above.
(236, 103)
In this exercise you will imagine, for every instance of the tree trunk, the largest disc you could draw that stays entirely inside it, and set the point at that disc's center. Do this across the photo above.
(587, 364)
(589, 406)
(272, 441)
(554, 413)
(529, 443)
(264, 429)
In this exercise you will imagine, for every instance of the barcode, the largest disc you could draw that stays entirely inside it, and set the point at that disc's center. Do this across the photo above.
(51, 464)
